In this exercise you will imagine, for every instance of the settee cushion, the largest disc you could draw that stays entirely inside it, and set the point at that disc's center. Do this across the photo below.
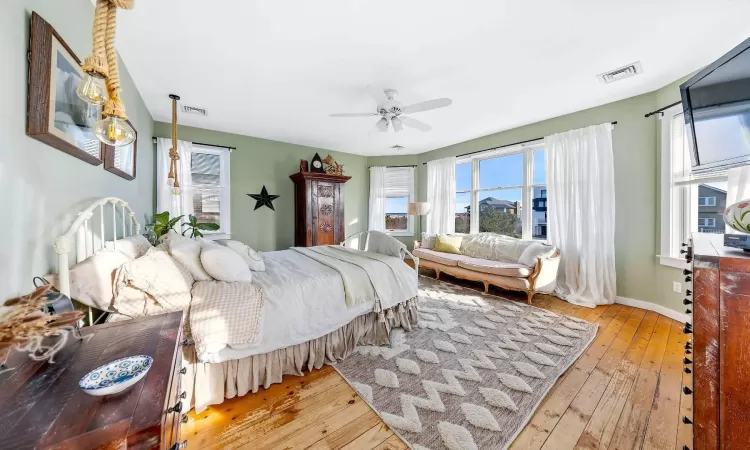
(496, 267)
(447, 259)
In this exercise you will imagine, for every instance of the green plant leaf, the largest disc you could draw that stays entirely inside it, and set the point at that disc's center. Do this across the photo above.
(193, 219)
(197, 233)
(208, 226)
(162, 217)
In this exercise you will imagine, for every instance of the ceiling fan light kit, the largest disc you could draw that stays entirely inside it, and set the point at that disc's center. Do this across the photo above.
(393, 113)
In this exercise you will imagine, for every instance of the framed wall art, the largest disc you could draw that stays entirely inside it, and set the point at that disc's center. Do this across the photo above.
(121, 161)
(56, 115)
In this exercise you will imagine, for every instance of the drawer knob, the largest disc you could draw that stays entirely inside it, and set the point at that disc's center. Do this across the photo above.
(686, 390)
(688, 292)
(686, 421)
(688, 345)
(183, 395)
(689, 325)
(176, 408)
(687, 330)
(686, 271)
(688, 311)
(687, 370)
(688, 278)
(178, 446)
(184, 418)
(686, 302)
(685, 447)
(183, 371)
(688, 351)
(686, 360)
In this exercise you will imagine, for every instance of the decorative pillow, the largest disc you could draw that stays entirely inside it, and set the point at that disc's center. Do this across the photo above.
(251, 257)
(448, 244)
(152, 284)
(92, 279)
(534, 252)
(224, 264)
(187, 252)
(132, 246)
(428, 241)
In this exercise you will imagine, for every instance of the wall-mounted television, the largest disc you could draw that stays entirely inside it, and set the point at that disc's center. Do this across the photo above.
(716, 102)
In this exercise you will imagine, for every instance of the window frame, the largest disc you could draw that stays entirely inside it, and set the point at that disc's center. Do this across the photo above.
(677, 218)
(707, 203)
(409, 231)
(527, 188)
(706, 225)
(225, 213)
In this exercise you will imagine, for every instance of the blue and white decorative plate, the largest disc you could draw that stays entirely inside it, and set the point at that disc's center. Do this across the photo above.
(116, 376)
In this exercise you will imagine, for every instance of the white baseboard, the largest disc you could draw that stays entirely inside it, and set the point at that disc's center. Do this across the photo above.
(663, 310)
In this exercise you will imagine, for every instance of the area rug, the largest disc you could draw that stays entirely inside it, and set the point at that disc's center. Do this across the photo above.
(472, 374)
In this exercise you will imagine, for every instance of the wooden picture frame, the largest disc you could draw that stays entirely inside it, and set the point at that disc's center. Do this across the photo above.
(55, 113)
(113, 163)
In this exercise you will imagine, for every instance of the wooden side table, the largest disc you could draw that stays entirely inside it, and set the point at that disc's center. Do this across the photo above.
(42, 407)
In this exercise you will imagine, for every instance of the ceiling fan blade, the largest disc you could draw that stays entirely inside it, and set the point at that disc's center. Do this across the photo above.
(353, 115)
(379, 95)
(428, 105)
(381, 126)
(397, 126)
(414, 123)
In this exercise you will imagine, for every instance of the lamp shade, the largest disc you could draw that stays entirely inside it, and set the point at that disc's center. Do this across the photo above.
(419, 208)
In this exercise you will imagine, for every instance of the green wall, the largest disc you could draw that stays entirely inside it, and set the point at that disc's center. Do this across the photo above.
(42, 188)
(635, 139)
(256, 162)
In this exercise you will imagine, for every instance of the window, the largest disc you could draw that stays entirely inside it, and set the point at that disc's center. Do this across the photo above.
(706, 201)
(689, 202)
(496, 184)
(209, 186)
(399, 191)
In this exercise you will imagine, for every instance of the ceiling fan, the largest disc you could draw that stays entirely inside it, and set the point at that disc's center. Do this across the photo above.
(393, 113)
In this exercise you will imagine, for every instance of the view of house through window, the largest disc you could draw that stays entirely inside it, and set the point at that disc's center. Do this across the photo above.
(209, 170)
(490, 194)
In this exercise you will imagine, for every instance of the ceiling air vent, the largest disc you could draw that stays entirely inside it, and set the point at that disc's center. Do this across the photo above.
(194, 110)
(628, 71)
(397, 147)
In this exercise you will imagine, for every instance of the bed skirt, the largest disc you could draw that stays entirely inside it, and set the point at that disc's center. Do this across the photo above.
(210, 383)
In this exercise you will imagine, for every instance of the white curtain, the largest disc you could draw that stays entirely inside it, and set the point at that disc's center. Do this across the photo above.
(581, 210)
(377, 198)
(441, 194)
(177, 205)
(738, 185)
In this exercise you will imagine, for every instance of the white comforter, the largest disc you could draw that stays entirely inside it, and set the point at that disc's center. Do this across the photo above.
(303, 300)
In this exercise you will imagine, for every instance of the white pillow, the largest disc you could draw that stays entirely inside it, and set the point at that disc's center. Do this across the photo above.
(92, 279)
(251, 257)
(187, 252)
(534, 252)
(132, 246)
(224, 264)
(428, 241)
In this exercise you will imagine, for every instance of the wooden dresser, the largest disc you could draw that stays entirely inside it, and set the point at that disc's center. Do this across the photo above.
(318, 209)
(720, 355)
(42, 407)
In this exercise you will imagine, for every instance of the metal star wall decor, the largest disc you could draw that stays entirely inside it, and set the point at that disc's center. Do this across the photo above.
(264, 199)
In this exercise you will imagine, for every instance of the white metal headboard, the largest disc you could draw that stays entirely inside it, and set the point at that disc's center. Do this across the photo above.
(82, 235)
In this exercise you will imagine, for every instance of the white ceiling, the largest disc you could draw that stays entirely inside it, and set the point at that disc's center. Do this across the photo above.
(276, 69)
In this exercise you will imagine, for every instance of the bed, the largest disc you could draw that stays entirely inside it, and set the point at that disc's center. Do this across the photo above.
(307, 319)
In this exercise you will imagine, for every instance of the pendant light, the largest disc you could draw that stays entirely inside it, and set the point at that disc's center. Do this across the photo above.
(113, 129)
(172, 179)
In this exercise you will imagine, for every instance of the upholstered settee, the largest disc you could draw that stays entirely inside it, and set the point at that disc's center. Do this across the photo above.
(508, 263)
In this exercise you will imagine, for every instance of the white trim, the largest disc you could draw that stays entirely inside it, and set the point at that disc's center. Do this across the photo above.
(671, 261)
(648, 306)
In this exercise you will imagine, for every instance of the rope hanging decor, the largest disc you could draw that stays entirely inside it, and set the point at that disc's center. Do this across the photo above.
(113, 129)
(174, 156)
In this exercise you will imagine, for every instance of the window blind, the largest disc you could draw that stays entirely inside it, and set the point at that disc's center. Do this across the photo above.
(399, 181)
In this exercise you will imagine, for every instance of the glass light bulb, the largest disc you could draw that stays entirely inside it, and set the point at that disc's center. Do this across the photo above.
(114, 131)
(176, 191)
(91, 90)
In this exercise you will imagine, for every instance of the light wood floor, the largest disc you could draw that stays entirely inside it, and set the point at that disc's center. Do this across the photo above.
(623, 393)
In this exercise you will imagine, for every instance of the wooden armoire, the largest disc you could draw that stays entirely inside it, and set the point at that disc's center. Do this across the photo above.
(318, 209)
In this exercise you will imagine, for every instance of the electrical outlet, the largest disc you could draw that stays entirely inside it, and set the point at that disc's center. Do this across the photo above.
(677, 287)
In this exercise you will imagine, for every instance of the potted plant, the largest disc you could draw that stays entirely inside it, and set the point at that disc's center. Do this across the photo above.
(195, 228)
(162, 223)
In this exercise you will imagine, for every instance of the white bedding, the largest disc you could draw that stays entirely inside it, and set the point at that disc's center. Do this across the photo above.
(304, 300)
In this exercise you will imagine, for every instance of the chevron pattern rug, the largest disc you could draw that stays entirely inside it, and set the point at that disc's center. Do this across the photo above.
(472, 374)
